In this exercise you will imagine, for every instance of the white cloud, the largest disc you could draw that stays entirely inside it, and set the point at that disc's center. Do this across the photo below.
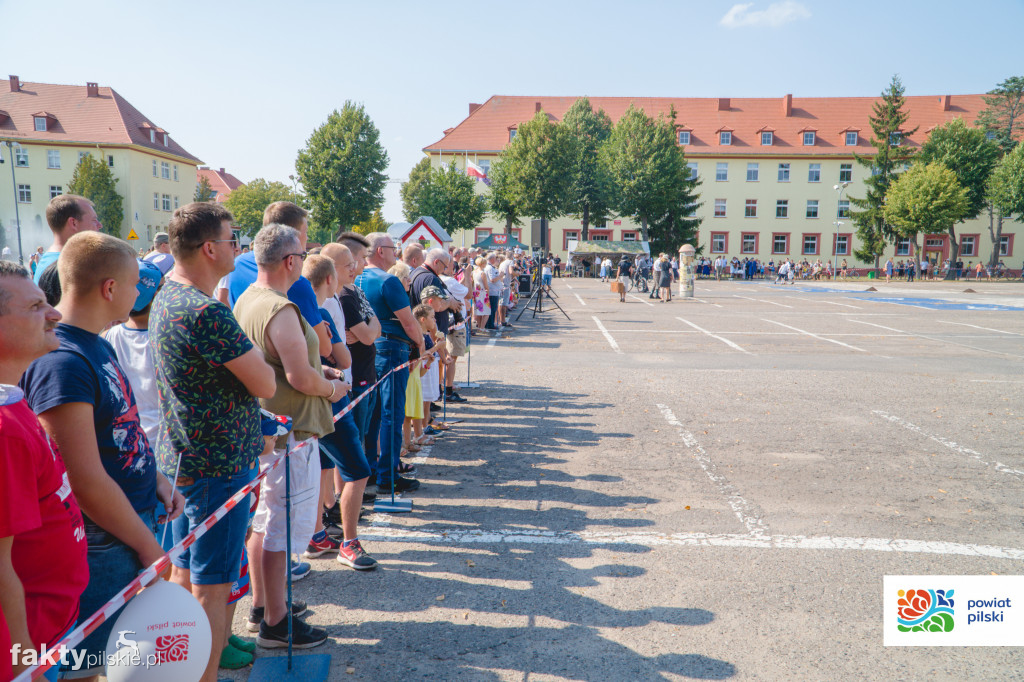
(777, 14)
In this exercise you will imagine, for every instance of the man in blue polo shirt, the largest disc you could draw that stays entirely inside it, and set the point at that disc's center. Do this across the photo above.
(400, 333)
(301, 293)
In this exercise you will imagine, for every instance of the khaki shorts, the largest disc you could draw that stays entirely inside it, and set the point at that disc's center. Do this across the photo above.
(456, 343)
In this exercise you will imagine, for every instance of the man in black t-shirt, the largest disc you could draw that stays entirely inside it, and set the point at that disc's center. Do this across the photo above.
(361, 329)
(428, 275)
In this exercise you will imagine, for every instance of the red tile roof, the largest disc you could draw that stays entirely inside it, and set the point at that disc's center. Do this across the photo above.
(486, 129)
(106, 118)
(221, 182)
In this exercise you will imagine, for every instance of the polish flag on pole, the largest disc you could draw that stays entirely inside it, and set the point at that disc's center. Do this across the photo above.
(475, 171)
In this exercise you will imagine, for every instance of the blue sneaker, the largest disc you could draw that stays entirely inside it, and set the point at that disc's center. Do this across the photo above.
(300, 569)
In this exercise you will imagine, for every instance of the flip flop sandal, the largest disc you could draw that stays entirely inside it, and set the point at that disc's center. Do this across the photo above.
(404, 468)
(426, 440)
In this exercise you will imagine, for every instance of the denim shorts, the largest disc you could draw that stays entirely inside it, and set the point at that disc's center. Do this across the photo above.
(214, 558)
(344, 448)
(112, 565)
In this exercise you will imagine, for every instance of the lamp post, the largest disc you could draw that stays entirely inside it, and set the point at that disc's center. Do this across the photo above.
(841, 187)
(14, 186)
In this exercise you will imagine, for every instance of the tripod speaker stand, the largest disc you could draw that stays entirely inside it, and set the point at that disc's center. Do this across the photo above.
(536, 300)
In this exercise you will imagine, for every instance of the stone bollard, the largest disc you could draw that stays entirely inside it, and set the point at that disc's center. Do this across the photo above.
(686, 270)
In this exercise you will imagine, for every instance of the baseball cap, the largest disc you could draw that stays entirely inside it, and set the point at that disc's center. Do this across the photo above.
(274, 424)
(433, 292)
(149, 282)
(162, 238)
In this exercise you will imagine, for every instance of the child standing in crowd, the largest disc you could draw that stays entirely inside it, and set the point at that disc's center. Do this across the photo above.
(481, 307)
(413, 409)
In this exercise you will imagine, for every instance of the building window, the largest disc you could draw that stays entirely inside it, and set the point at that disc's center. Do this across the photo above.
(719, 242)
(167, 140)
(752, 172)
(485, 166)
(155, 175)
(629, 236)
(851, 139)
(846, 172)
(812, 208)
(82, 155)
(968, 246)
(152, 135)
(809, 138)
(684, 137)
(783, 172)
(175, 202)
(750, 208)
(721, 172)
(692, 165)
(165, 170)
(53, 158)
(749, 243)
(844, 208)
(110, 160)
(810, 245)
(814, 173)
(780, 244)
(599, 237)
(719, 208)
(40, 123)
(166, 202)
(24, 194)
(511, 135)
(175, 172)
(1004, 245)
(903, 246)
(895, 139)
(842, 245)
(21, 157)
(569, 236)
(56, 191)
(782, 208)
(156, 201)
(937, 243)
(767, 138)
(725, 137)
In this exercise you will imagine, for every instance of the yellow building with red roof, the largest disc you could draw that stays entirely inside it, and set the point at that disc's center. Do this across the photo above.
(44, 131)
(769, 168)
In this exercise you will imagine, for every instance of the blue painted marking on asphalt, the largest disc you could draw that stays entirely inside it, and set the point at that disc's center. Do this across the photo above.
(938, 303)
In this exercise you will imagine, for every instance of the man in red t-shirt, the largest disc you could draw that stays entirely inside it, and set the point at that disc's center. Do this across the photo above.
(43, 569)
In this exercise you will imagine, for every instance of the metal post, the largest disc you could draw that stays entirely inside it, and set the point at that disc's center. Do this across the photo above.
(841, 187)
(17, 213)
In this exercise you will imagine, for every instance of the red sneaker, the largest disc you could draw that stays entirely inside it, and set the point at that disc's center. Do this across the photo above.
(318, 549)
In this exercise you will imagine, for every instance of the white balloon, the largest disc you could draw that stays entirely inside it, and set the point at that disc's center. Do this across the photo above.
(163, 635)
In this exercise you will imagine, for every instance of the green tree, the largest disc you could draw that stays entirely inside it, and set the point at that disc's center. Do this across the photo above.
(204, 192)
(376, 223)
(248, 202)
(590, 190)
(1006, 187)
(972, 157)
(1002, 119)
(649, 172)
(501, 202)
(677, 223)
(926, 199)
(887, 123)
(93, 180)
(342, 169)
(537, 168)
(410, 191)
(449, 197)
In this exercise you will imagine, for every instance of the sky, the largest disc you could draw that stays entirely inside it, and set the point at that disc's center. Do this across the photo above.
(242, 85)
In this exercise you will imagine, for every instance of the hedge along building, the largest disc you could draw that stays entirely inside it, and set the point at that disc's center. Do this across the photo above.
(52, 126)
(768, 167)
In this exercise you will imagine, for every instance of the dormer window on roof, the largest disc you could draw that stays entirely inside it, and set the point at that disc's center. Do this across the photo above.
(725, 137)
(809, 138)
(767, 138)
(43, 121)
(684, 137)
(167, 140)
(152, 135)
(852, 138)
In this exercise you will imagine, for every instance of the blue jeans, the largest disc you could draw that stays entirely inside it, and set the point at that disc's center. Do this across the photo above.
(362, 415)
(344, 447)
(112, 565)
(494, 311)
(391, 354)
(214, 558)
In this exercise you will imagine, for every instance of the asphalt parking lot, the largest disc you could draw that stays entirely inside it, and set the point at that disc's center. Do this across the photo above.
(702, 489)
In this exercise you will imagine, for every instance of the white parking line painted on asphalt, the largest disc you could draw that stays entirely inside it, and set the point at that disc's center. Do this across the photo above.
(641, 300)
(818, 300)
(701, 300)
(820, 338)
(760, 300)
(578, 298)
(932, 338)
(952, 445)
(744, 510)
(720, 338)
(568, 285)
(988, 329)
(608, 336)
(995, 381)
(493, 340)
(461, 536)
